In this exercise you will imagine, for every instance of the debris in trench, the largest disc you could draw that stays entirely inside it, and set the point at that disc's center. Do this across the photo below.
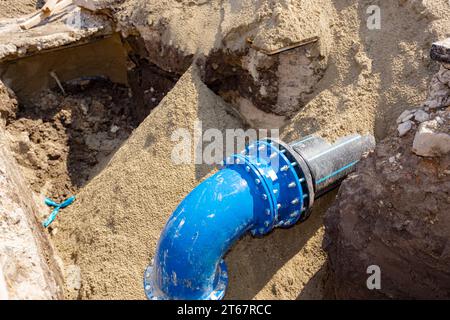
(440, 51)
(62, 141)
(432, 139)
(54, 76)
(431, 122)
(404, 128)
(52, 7)
(285, 48)
(57, 207)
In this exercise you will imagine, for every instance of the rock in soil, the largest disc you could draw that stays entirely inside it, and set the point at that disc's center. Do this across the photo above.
(404, 128)
(58, 140)
(430, 140)
(395, 215)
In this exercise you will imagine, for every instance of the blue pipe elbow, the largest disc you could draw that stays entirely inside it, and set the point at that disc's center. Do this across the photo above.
(255, 191)
(188, 263)
(270, 184)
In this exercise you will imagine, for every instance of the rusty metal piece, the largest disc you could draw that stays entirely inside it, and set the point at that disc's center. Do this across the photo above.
(283, 49)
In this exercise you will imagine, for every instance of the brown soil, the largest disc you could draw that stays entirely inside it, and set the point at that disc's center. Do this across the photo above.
(393, 213)
(12, 9)
(62, 140)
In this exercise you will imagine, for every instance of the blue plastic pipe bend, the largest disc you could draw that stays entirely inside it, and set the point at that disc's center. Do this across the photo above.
(244, 196)
(188, 263)
(270, 184)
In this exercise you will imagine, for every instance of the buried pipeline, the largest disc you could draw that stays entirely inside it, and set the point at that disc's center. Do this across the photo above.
(269, 184)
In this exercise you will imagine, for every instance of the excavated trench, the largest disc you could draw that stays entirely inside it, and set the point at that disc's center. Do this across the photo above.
(78, 104)
(76, 107)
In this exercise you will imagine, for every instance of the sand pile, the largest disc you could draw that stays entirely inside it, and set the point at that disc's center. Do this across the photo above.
(363, 78)
(112, 229)
(198, 27)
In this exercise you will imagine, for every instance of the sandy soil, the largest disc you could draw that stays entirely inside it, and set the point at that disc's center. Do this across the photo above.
(373, 75)
(12, 9)
(59, 129)
(59, 139)
(110, 233)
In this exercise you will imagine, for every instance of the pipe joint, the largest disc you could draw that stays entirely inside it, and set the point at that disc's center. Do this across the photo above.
(269, 184)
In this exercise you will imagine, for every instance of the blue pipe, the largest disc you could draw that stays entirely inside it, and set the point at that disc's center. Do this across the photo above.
(188, 263)
(268, 185)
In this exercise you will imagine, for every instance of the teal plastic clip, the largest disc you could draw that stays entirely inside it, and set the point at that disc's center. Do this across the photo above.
(57, 207)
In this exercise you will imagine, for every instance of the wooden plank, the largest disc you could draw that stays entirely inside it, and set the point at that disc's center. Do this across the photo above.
(37, 19)
(34, 21)
(61, 5)
(49, 6)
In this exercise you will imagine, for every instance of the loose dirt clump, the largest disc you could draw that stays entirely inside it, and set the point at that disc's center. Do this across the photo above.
(62, 140)
(392, 213)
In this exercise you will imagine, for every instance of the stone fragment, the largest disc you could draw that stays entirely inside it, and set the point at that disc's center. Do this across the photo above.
(405, 116)
(421, 116)
(429, 142)
(404, 128)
